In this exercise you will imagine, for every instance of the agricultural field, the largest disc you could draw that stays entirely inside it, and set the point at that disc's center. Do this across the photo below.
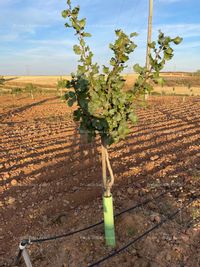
(175, 83)
(40, 81)
(51, 182)
(100, 166)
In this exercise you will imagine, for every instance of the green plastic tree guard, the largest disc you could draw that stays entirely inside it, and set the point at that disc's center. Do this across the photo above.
(109, 221)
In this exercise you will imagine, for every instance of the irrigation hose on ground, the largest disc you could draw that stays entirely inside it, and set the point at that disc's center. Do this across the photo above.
(170, 217)
(40, 240)
(29, 241)
(26, 242)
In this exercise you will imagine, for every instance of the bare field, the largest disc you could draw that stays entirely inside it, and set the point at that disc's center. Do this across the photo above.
(174, 84)
(41, 81)
(50, 183)
(177, 90)
(182, 83)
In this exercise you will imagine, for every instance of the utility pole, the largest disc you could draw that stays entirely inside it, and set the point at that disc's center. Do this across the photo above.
(149, 35)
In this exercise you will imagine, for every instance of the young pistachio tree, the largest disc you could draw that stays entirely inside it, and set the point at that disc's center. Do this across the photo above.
(2, 80)
(61, 84)
(31, 89)
(103, 106)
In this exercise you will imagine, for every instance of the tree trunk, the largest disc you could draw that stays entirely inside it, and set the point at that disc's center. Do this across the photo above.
(107, 183)
(104, 172)
(109, 226)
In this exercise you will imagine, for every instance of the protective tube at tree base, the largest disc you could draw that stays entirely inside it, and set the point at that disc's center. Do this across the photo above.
(109, 221)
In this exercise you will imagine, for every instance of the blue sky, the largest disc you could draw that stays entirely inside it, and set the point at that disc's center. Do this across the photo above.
(34, 41)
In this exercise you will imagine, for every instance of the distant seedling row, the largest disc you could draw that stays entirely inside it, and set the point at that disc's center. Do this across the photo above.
(181, 86)
(30, 89)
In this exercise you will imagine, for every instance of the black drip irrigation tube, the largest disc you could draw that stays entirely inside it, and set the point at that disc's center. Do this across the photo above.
(25, 242)
(169, 217)
(39, 240)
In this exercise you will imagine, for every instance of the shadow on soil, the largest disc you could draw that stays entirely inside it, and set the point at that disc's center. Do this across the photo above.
(64, 167)
(24, 108)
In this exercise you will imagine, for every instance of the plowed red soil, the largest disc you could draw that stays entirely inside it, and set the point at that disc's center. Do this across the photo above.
(51, 184)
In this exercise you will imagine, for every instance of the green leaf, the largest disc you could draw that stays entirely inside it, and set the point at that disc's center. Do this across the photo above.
(86, 34)
(77, 50)
(117, 117)
(82, 23)
(152, 45)
(70, 102)
(112, 61)
(137, 68)
(83, 103)
(66, 96)
(67, 25)
(95, 69)
(159, 81)
(177, 40)
(71, 94)
(169, 51)
(123, 129)
(111, 46)
(161, 35)
(124, 58)
(88, 59)
(168, 56)
(98, 124)
(132, 47)
(81, 69)
(75, 10)
(132, 116)
(105, 69)
(77, 115)
(65, 13)
(167, 40)
(82, 42)
(112, 112)
(118, 32)
(133, 34)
